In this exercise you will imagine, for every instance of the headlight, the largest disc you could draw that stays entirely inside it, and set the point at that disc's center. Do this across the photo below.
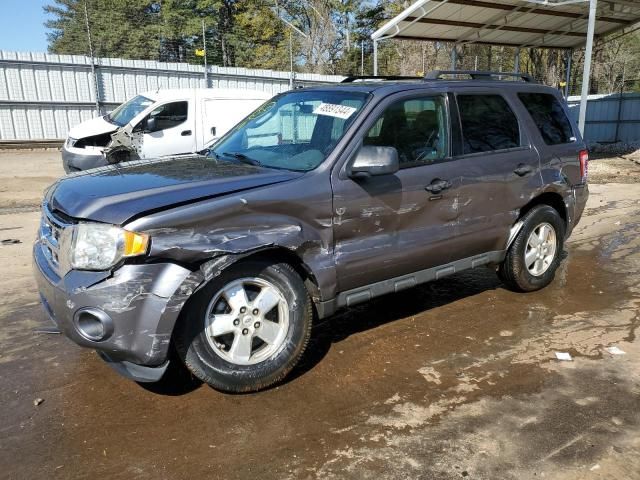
(99, 247)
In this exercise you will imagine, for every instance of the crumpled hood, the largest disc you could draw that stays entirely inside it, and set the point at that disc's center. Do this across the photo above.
(92, 127)
(116, 193)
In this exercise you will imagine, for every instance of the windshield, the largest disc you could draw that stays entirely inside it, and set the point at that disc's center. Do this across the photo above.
(294, 131)
(129, 110)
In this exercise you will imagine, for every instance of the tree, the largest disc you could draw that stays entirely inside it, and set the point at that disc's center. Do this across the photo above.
(260, 38)
(327, 36)
(119, 28)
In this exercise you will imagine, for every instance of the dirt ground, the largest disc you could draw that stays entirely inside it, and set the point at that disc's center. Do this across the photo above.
(454, 379)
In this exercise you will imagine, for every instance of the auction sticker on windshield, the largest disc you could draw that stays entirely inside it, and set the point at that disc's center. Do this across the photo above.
(333, 110)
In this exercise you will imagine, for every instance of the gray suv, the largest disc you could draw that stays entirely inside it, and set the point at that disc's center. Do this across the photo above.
(322, 198)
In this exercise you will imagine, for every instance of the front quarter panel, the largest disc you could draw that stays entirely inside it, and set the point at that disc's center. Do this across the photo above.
(294, 215)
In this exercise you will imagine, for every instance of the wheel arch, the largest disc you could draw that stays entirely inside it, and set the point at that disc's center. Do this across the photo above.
(553, 199)
(285, 255)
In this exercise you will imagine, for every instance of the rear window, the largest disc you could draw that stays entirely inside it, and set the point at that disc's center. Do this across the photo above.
(487, 123)
(549, 117)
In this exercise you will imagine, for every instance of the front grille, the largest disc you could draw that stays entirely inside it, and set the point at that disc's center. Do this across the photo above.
(52, 228)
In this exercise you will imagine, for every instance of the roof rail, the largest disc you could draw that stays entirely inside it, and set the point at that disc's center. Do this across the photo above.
(354, 78)
(478, 75)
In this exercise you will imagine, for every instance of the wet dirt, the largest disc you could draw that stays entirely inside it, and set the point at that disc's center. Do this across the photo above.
(453, 379)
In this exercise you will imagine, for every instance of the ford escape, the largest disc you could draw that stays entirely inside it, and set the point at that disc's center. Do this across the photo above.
(322, 198)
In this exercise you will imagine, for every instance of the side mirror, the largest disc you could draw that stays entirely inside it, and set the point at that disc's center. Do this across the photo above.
(150, 125)
(372, 161)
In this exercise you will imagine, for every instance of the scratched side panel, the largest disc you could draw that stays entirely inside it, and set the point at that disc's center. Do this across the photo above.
(390, 225)
(491, 196)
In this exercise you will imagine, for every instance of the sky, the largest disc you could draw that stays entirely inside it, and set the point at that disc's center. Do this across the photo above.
(21, 25)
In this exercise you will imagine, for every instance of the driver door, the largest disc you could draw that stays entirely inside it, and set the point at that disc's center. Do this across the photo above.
(390, 225)
(173, 132)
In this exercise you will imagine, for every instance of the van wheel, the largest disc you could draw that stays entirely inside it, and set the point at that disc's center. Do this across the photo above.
(246, 329)
(534, 255)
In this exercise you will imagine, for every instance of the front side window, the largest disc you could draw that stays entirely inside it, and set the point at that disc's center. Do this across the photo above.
(549, 117)
(296, 130)
(126, 112)
(169, 115)
(488, 123)
(416, 128)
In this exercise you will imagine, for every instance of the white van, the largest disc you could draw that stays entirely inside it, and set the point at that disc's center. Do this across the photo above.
(158, 123)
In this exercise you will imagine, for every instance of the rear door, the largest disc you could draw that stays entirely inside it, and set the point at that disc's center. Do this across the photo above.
(499, 168)
(219, 115)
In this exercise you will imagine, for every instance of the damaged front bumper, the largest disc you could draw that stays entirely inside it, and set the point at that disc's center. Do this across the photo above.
(74, 161)
(126, 315)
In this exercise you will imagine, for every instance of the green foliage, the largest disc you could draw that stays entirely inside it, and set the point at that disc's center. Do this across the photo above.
(325, 36)
(119, 28)
(170, 30)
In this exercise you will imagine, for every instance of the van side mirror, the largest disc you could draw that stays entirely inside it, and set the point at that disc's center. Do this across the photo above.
(372, 161)
(150, 125)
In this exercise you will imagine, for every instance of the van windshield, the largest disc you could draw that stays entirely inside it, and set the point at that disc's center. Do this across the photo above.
(293, 131)
(126, 112)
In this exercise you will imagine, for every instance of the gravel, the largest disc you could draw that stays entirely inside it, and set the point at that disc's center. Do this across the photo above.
(618, 149)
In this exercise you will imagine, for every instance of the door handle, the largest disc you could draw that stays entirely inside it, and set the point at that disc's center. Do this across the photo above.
(437, 186)
(523, 170)
(185, 133)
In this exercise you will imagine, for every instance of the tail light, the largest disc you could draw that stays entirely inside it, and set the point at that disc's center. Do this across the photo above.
(584, 164)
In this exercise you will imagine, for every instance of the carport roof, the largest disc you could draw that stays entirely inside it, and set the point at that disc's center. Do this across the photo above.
(517, 23)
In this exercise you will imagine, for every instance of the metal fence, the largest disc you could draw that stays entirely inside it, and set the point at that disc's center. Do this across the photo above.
(610, 117)
(42, 96)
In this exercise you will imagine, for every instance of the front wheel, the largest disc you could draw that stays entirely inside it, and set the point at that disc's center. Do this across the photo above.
(534, 255)
(247, 328)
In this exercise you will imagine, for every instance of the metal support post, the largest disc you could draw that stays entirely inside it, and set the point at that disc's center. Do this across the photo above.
(375, 57)
(586, 73)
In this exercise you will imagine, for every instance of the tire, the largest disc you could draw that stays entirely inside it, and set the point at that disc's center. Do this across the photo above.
(517, 271)
(246, 352)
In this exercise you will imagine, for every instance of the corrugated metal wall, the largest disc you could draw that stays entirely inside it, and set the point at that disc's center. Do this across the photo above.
(610, 118)
(42, 96)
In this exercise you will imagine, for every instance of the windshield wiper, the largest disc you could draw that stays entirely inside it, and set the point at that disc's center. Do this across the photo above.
(243, 158)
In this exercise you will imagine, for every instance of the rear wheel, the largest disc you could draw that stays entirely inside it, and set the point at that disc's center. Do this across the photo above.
(534, 255)
(247, 328)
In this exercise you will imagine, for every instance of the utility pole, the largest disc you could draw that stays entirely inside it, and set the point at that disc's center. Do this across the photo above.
(454, 57)
(362, 57)
(291, 59)
(204, 47)
(297, 30)
(93, 63)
